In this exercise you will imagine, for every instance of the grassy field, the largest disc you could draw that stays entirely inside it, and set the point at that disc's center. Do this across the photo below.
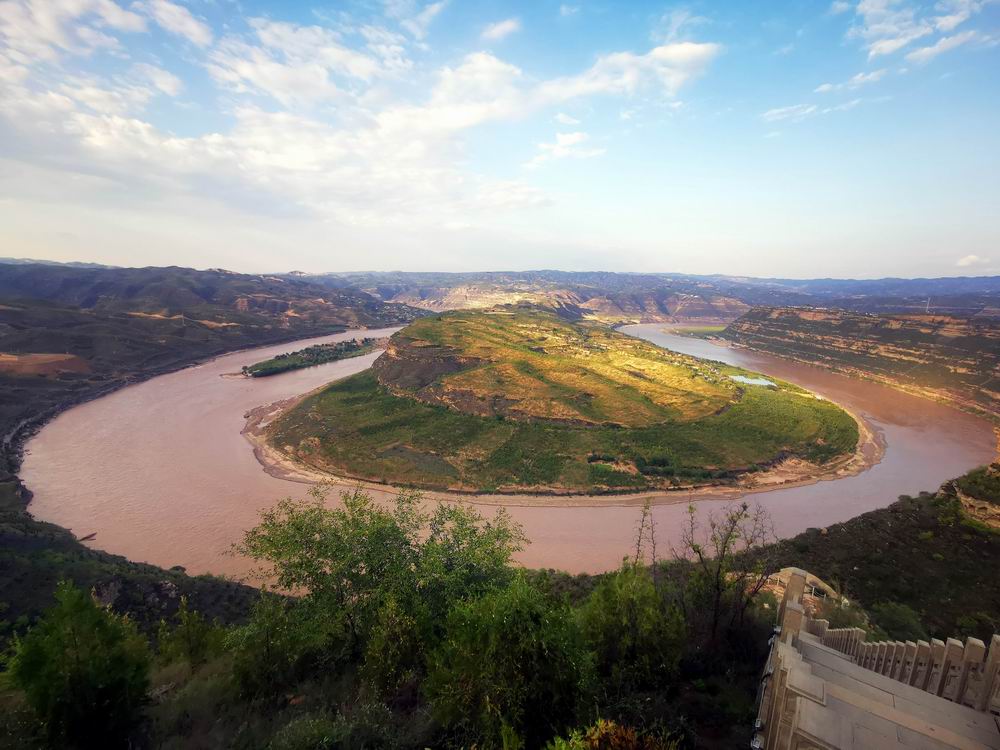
(481, 401)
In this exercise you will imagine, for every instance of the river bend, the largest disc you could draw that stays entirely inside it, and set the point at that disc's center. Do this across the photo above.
(159, 471)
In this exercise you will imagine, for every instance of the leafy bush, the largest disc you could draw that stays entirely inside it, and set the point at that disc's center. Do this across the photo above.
(982, 483)
(279, 644)
(510, 662)
(841, 614)
(394, 652)
(608, 735)
(84, 671)
(636, 638)
(899, 621)
(308, 732)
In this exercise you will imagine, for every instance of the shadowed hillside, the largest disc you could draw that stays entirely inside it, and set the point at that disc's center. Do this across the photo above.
(68, 333)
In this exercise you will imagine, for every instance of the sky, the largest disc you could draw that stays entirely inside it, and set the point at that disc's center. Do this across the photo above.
(789, 138)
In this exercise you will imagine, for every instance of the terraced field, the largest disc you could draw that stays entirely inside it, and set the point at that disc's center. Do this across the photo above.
(517, 399)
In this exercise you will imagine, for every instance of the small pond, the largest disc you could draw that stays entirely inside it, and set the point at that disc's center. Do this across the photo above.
(750, 381)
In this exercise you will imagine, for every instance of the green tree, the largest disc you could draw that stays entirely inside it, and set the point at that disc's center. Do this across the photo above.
(725, 565)
(351, 561)
(636, 636)
(192, 638)
(512, 664)
(84, 671)
(347, 559)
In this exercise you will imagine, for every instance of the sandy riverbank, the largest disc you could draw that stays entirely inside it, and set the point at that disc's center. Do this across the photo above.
(792, 472)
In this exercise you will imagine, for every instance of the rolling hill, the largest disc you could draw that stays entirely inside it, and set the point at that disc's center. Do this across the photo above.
(519, 399)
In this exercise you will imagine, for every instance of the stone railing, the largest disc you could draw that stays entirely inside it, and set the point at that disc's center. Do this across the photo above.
(965, 673)
(801, 702)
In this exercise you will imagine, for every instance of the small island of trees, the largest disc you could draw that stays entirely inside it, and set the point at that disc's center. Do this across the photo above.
(317, 354)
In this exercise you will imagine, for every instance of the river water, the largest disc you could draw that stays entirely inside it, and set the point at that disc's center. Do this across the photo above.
(160, 473)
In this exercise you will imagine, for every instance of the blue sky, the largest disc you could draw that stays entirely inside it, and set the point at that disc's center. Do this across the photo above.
(798, 139)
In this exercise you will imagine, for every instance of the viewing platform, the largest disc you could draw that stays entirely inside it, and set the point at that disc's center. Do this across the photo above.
(830, 689)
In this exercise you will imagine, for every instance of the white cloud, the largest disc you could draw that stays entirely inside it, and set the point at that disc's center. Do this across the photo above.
(389, 47)
(838, 7)
(415, 22)
(163, 80)
(887, 26)
(566, 146)
(800, 112)
(314, 44)
(378, 158)
(667, 68)
(39, 30)
(105, 100)
(245, 68)
(674, 23)
(955, 12)
(945, 43)
(854, 82)
(177, 19)
(795, 113)
(501, 29)
(971, 260)
(568, 10)
(299, 65)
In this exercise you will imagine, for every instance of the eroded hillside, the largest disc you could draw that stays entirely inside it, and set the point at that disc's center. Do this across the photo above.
(945, 357)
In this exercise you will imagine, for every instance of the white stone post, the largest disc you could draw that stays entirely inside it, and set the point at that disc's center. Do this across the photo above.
(952, 671)
(991, 676)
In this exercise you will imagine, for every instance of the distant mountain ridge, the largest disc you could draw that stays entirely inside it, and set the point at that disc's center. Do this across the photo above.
(668, 297)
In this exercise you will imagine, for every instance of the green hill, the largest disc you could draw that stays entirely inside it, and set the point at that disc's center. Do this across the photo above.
(516, 399)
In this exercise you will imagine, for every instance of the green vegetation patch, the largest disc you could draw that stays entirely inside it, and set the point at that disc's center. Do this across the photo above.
(922, 552)
(363, 428)
(982, 484)
(311, 356)
(530, 364)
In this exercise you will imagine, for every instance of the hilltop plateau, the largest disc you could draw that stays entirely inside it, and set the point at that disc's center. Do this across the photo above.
(520, 400)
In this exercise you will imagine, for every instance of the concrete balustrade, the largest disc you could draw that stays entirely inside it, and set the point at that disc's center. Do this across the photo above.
(966, 673)
(831, 688)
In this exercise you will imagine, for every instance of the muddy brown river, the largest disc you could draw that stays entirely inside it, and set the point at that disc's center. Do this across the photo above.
(159, 471)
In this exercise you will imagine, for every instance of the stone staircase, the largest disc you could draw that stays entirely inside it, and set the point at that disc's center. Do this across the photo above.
(826, 689)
